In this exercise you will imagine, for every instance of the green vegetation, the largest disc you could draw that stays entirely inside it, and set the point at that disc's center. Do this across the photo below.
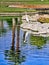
(43, 20)
(9, 9)
(2, 29)
(4, 6)
(15, 57)
(5, 3)
(38, 41)
(7, 17)
(2, 32)
(28, 1)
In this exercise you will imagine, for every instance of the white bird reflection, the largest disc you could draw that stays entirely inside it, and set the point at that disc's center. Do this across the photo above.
(26, 36)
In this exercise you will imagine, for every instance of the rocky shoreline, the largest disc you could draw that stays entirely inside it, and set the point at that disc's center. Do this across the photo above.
(36, 28)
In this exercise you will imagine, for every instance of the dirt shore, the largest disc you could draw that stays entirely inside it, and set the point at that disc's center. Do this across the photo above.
(30, 6)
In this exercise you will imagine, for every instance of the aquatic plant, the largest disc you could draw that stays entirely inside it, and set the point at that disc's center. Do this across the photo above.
(43, 20)
(38, 41)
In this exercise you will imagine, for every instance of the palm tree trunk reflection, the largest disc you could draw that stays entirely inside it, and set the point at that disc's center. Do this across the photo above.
(13, 33)
(17, 43)
(11, 55)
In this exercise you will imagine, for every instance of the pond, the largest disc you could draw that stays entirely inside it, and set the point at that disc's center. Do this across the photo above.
(14, 51)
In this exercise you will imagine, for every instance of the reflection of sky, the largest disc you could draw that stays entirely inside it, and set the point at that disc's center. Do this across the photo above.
(4, 45)
(4, 40)
(2, 60)
(36, 57)
(36, 61)
(33, 56)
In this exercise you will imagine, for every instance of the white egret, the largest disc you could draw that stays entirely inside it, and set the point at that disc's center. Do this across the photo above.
(27, 19)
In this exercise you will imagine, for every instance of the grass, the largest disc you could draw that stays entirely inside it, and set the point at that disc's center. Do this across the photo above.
(13, 10)
(8, 9)
(28, 1)
(7, 17)
(4, 6)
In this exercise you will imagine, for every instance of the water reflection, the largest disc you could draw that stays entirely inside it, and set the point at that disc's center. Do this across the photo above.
(2, 29)
(24, 36)
(17, 42)
(1, 24)
(13, 33)
(39, 41)
(19, 53)
(14, 55)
